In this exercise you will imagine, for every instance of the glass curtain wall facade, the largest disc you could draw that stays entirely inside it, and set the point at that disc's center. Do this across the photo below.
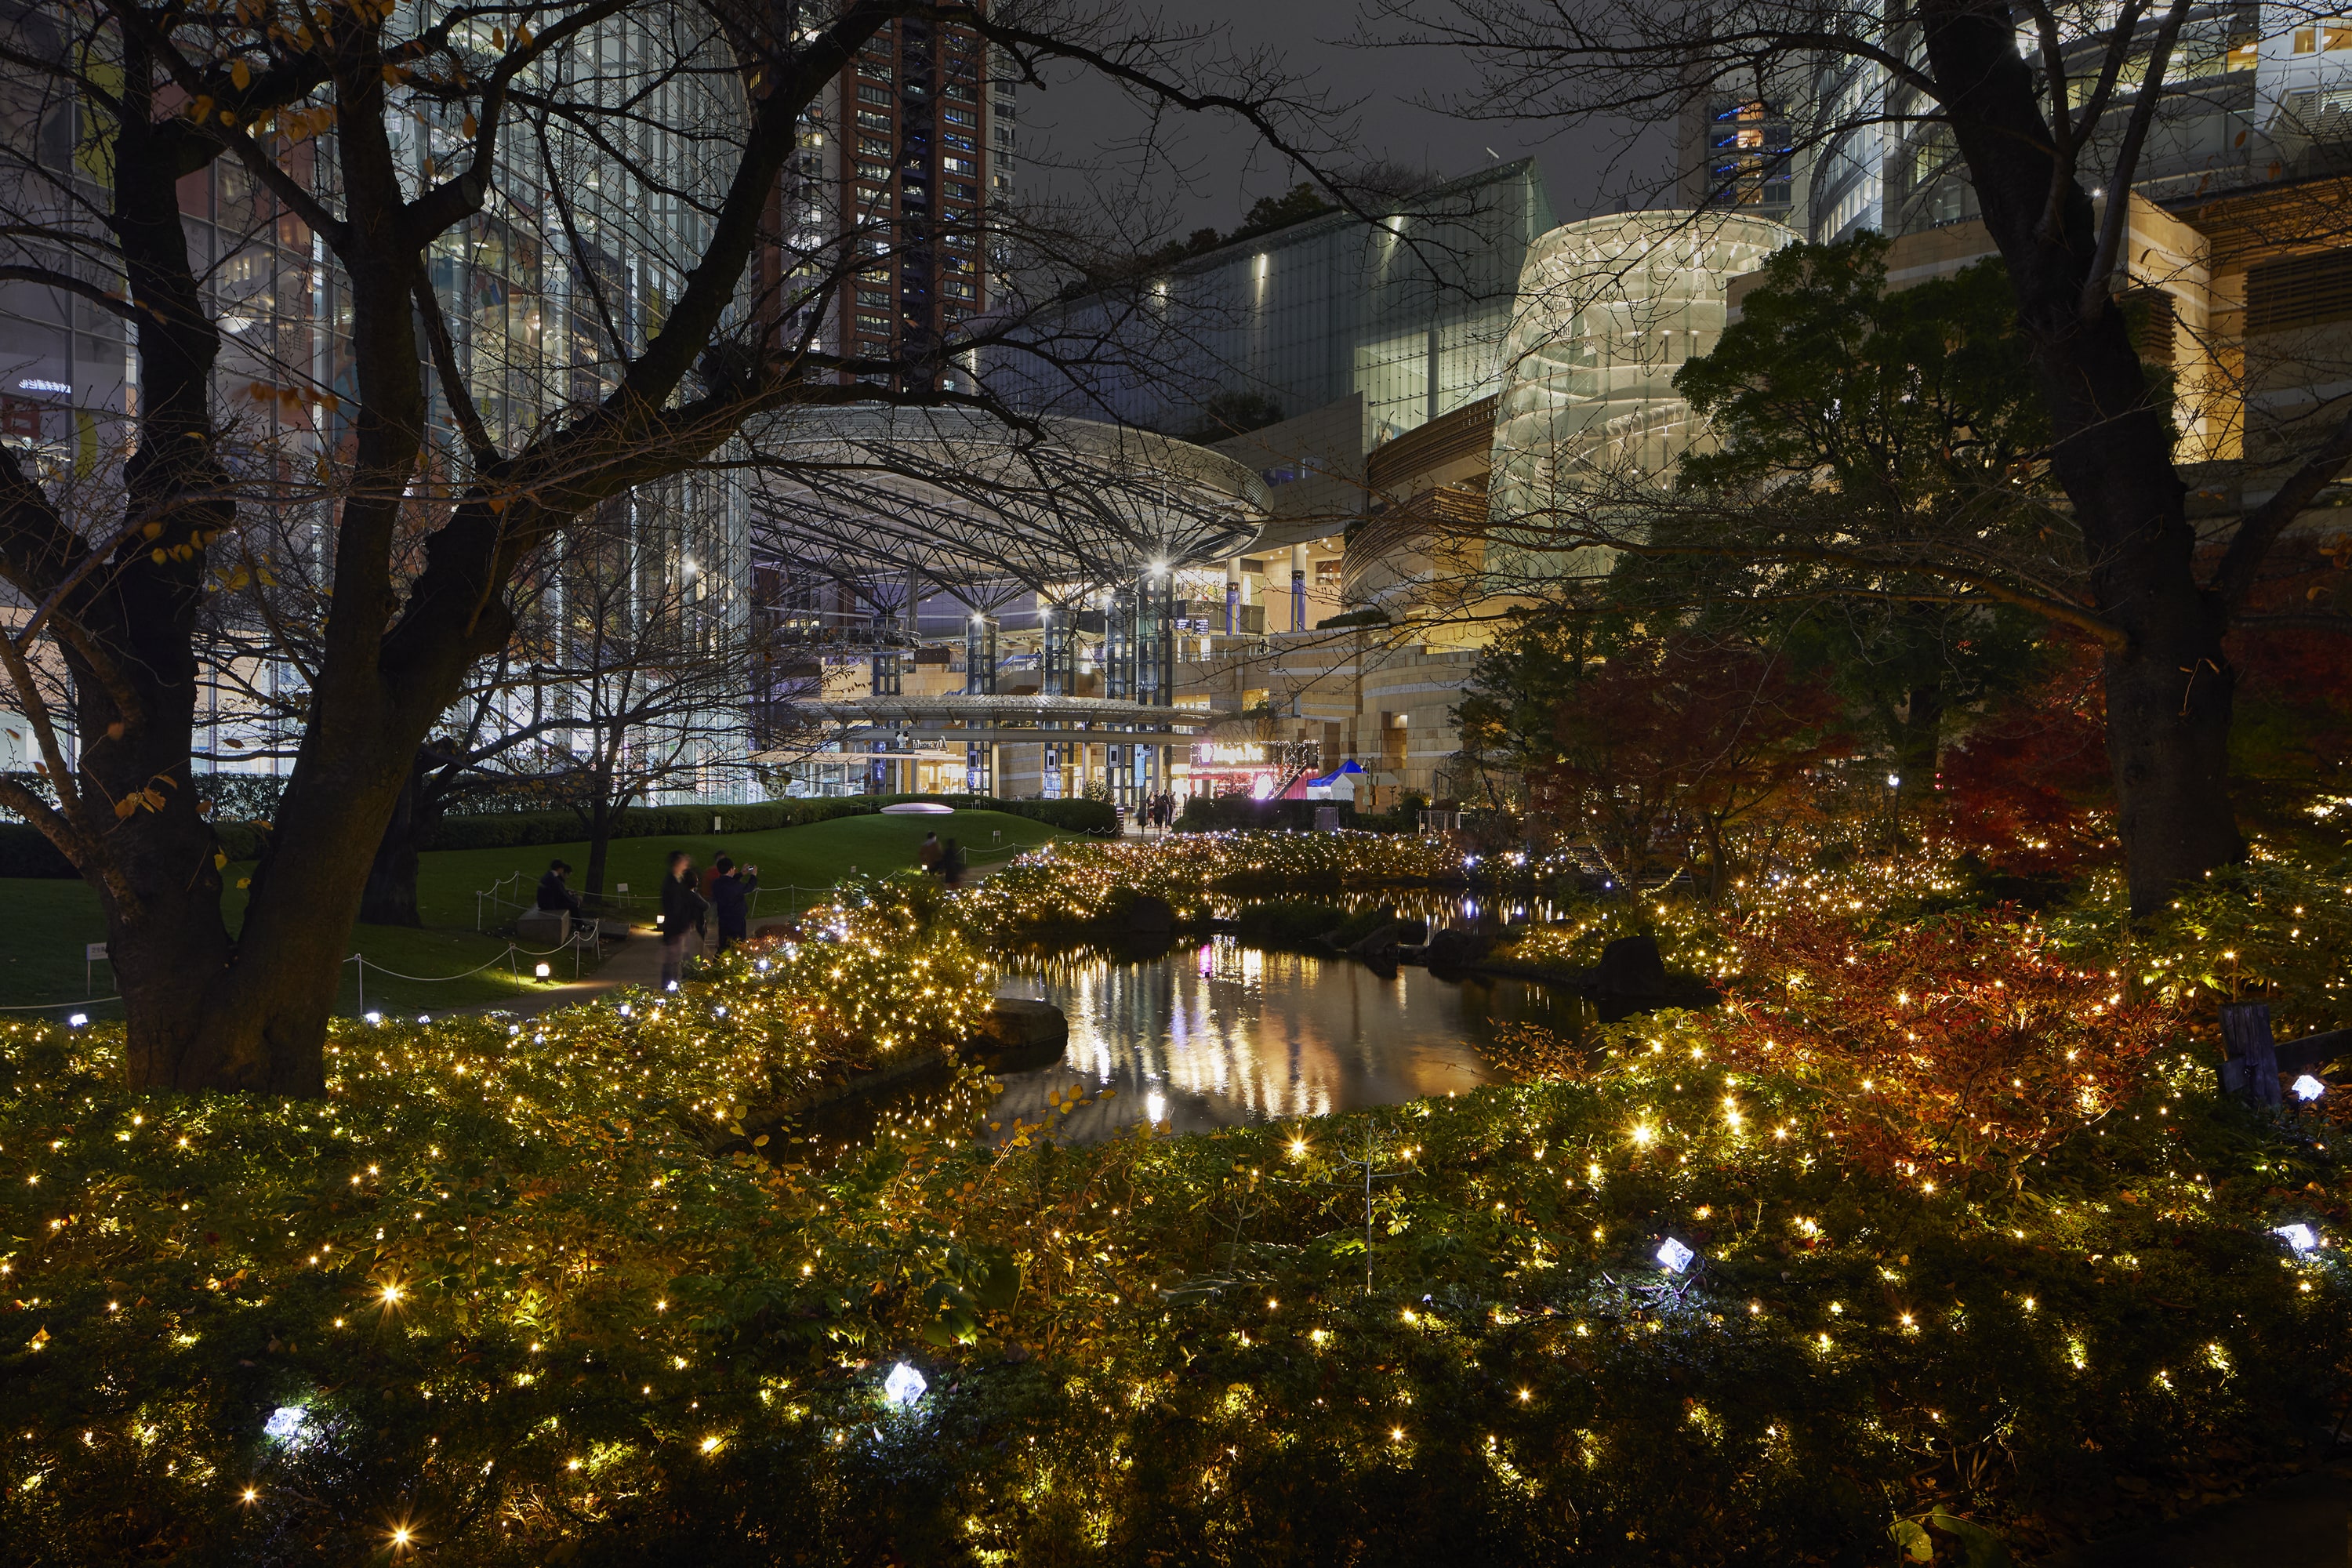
(564, 274)
(2212, 129)
(1610, 309)
(1410, 311)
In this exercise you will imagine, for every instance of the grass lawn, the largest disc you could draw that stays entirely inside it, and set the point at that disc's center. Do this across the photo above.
(811, 859)
(53, 920)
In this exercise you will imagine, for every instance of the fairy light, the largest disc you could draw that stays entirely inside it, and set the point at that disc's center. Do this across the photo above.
(712, 1048)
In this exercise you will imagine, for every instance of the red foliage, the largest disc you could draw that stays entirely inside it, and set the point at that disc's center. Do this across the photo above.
(2029, 787)
(2292, 732)
(1673, 741)
(1953, 1046)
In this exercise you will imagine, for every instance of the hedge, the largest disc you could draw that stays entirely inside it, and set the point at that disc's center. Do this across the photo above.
(1238, 812)
(25, 851)
(514, 828)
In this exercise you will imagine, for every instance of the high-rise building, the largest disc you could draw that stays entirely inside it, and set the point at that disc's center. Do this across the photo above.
(1408, 311)
(1739, 151)
(898, 163)
(546, 293)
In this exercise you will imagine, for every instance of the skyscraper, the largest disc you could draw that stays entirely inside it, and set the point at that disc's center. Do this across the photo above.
(900, 163)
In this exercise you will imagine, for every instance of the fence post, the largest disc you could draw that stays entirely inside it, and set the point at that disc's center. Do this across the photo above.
(2253, 1053)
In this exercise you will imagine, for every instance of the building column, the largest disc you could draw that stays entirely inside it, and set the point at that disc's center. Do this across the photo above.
(1299, 587)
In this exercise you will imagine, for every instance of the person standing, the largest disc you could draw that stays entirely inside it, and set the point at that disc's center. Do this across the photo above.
(681, 908)
(730, 895)
(951, 864)
(927, 854)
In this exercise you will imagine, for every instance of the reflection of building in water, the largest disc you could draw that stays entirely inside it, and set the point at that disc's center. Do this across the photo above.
(1223, 1035)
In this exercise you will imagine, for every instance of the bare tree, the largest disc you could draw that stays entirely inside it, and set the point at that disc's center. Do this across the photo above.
(2044, 108)
(621, 158)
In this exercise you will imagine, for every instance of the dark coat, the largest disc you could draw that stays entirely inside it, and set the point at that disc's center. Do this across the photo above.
(554, 895)
(682, 908)
(732, 895)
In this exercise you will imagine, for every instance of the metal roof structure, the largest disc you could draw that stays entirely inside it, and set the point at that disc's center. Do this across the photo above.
(962, 719)
(990, 510)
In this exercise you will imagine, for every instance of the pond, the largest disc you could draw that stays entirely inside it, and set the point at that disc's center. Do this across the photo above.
(1218, 1034)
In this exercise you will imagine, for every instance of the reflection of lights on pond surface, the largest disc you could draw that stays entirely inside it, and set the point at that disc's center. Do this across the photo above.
(1219, 1034)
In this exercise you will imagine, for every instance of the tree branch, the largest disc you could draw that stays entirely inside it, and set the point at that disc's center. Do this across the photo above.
(2099, 284)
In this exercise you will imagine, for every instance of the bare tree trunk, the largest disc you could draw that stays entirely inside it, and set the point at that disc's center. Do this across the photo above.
(2170, 683)
(390, 897)
(1918, 747)
(601, 812)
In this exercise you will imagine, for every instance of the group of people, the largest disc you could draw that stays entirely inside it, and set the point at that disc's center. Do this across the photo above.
(1159, 810)
(941, 859)
(689, 900)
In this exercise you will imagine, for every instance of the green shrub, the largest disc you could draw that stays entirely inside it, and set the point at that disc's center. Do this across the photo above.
(26, 851)
(529, 1291)
(1288, 922)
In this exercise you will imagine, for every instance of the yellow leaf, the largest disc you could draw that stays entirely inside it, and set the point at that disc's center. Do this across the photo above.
(201, 109)
(392, 76)
(220, 858)
(114, 730)
(468, 125)
(157, 556)
(125, 806)
(241, 74)
(245, 882)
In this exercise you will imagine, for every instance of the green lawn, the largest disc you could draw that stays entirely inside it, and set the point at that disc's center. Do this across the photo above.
(811, 858)
(53, 920)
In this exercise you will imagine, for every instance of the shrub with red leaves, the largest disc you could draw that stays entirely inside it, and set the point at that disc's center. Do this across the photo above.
(1954, 1046)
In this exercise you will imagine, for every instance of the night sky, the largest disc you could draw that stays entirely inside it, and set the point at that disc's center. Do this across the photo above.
(1079, 136)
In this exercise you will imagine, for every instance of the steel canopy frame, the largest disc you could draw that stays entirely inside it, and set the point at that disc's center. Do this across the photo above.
(987, 510)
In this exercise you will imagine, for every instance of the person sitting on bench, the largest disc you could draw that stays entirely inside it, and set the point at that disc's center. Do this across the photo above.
(553, 894)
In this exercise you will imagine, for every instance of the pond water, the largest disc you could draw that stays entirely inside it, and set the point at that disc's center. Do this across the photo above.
(1217, 1034)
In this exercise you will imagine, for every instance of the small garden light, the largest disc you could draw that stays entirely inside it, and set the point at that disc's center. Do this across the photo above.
(903, 1386)
(542, 972)
(2299, 1237)
(1674, 1257)
(78, 1019)
(2308, 1088)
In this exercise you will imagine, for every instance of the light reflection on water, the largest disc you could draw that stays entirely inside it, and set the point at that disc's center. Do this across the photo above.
(1220, 1035)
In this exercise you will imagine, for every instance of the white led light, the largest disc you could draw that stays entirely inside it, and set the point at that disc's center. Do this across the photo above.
(903, 1386)
(1674, 1257)
(2308, 1088)
(2301, 1237)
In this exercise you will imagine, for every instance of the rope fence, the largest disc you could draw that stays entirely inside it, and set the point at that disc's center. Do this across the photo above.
(588, 937)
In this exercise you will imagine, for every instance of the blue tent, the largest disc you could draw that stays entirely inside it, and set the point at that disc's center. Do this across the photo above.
(1327, 780)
